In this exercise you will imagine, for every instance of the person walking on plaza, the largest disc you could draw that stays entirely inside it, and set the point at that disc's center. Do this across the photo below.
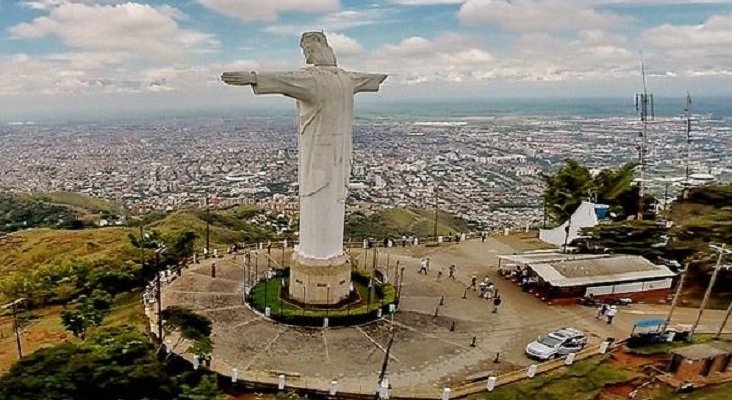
(601, 310)
(474, 283)
(428, 264)
(610, 314)
(451, 271)
(439, 273)
(496, 303)
(422, 267)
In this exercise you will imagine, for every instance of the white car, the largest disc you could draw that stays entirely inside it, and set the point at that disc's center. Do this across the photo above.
(556, 344)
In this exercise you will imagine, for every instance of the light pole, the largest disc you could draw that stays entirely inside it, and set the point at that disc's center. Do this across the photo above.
(208, 228)
(327, 300)
(158, 295)
(437, 188)
(566, 228)
(677, 294)
(16, 325)
(724, 322)
(722, 252)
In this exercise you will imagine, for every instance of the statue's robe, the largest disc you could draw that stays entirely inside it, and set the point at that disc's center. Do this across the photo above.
(324, 97)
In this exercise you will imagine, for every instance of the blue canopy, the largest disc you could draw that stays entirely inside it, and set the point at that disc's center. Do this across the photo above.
(649, 322)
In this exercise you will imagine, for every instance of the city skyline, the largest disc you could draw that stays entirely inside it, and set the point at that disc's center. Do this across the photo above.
(112, 57)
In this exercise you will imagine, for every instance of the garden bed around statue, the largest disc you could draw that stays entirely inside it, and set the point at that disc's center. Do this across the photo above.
(366, 303)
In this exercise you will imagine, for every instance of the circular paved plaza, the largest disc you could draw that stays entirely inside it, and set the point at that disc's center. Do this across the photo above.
(429, 352)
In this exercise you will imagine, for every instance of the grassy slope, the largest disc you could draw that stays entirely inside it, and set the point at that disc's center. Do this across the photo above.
(582, 381)
(80, 202)
(44, 327)
(26, 249)
(403, 221)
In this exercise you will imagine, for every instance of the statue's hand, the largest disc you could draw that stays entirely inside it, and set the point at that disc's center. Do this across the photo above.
(239, 78)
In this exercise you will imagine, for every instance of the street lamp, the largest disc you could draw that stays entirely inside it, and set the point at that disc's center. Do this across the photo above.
(158, 295)
(16, 325)
(566, 228)
(722, 251)
(327, 300)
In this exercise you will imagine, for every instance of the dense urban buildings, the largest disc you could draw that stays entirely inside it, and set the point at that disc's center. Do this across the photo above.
(485, 169)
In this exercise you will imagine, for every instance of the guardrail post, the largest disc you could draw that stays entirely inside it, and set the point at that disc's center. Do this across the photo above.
(446, 393)
(281, 382)
(490, 384)
(569, 360)
(333, 388)
(234, 375)
(603, 347)
(532, 370)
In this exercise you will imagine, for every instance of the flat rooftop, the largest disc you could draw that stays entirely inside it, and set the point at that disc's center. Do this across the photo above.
(565, 270)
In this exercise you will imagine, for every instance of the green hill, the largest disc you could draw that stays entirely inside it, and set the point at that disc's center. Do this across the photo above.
(20, 211)
(396, 222)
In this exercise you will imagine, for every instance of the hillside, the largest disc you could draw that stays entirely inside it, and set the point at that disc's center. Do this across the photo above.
(31, 248)
(20, 211)
(396, 222)
(225, 228)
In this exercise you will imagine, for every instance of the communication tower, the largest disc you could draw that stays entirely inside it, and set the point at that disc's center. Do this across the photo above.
(644, 106)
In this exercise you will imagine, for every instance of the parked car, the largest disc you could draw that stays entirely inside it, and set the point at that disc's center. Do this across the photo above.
(556, 344)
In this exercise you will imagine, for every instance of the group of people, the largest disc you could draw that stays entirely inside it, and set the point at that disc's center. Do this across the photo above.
(487, 290)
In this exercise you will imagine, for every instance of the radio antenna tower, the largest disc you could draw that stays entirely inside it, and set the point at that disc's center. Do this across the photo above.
(687, 115)
(643, 105)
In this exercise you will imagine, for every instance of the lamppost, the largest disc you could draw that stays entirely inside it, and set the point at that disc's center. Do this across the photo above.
(158, 295)
(327, 300)
(16, 325)
(566, 228)
(208, 228)
(722, 250)
(437, 209)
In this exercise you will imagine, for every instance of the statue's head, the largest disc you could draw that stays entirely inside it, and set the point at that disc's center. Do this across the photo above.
(316, 49)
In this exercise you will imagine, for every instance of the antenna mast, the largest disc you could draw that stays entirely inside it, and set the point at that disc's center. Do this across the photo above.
(643, 105)
(687, 114)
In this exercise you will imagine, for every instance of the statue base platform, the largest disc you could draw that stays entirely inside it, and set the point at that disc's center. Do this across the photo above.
(319, 281)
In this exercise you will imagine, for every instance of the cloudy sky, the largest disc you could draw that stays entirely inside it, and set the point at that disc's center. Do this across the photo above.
(107, 55)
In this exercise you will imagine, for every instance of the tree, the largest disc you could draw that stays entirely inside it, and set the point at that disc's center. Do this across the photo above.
(89, 312)
(189, 326)
(114, 363)
(573, 183)
(567, 188)
(615, 188)
(644, 238)
(207, 389)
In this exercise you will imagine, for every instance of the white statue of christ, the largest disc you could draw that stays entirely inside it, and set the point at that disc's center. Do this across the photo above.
(324, 95)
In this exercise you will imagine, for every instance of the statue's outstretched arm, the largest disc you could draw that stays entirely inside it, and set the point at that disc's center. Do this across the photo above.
(239, 78)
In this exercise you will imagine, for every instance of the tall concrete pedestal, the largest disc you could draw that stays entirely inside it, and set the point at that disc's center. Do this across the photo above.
(319, 282)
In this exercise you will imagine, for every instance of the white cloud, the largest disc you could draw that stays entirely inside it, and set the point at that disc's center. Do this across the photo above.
(268, 10)
(138, 30)
(425, 2)
(538, 15)
(710, 41)
(343, 45)
(336, 21)
(108, 49)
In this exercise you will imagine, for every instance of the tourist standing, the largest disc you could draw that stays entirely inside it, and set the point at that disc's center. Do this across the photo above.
(601, 310)
(496, 303)
(611, 312)
(423, 267)
(451, 271)
(474, 282)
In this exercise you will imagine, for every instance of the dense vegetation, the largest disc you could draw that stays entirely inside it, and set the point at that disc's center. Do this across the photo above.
(573, 183)
(21, 212)
(113, 363)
